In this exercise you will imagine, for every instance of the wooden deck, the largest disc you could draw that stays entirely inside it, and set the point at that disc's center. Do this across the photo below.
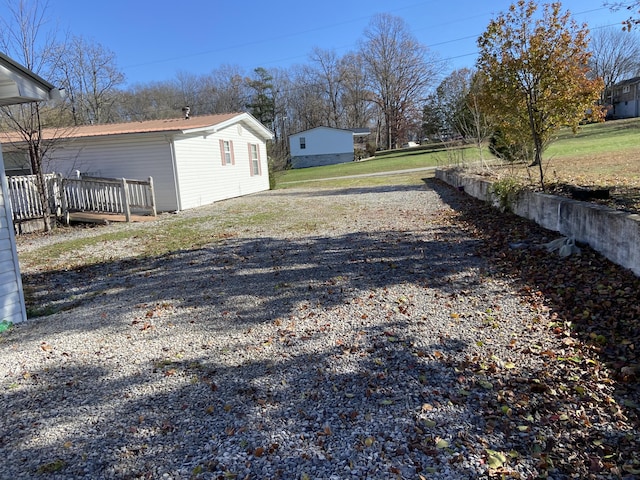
(106, 218)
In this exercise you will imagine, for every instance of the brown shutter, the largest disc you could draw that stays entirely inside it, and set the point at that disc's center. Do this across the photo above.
(222, 151)
(250, 160)
(259, 162)
(233, 158)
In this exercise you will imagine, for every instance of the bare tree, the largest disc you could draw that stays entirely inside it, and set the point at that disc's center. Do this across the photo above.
(304, 101)
(150, 101)
(228, 90)
(615, 55)
(326, 72)
(91, 78)
(22, 36)
(399, 71)
(193, 91)
(356, 97)
(474, 124)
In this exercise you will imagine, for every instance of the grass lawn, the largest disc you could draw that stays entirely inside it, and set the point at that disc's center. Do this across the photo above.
(599, 155)
(389, 162)
(612, 136)
(605, 155)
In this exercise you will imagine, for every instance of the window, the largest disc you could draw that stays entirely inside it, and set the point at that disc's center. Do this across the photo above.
(254, 159)
(303, 143)
(226, 152)
(626, 89)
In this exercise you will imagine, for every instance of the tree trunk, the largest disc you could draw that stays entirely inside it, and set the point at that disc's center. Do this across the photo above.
(538, 159)
(41, 183)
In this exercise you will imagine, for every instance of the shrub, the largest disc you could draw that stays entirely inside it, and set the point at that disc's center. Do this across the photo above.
(507, 191)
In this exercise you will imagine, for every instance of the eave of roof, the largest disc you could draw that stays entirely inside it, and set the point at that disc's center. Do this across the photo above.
(628, 81)
(20, 85)
(173, 125)
(25, 71)
(322, 127)
(149, 126)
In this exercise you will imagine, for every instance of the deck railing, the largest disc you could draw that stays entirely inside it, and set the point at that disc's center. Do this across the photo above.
(85, 194)
(109, 195)
(25, 199)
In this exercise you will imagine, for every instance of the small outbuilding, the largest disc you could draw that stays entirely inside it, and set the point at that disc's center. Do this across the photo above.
(17, 85)
(193, 161)
(323, 146)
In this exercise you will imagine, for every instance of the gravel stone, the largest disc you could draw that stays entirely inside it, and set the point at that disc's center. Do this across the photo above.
(323, 345)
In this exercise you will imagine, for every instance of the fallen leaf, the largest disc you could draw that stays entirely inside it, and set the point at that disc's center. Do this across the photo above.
(485, 384)
(441, 443)
(495, 459)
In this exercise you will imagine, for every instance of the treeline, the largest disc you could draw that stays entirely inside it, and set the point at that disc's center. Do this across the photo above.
(382, 84)
(390, 83)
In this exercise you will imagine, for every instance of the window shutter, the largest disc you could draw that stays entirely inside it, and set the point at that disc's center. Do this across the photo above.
(222, 150)
(259, 162)
(233, 158)
(250, 160)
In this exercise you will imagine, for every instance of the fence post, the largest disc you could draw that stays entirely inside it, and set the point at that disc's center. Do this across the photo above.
(152, 194)
(63, 198)
(59, 195)
(125, 200)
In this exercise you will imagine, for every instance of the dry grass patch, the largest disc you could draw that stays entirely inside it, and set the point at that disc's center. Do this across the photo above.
(618, 171)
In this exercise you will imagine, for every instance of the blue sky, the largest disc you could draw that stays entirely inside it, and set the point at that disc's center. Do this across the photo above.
(153, 40)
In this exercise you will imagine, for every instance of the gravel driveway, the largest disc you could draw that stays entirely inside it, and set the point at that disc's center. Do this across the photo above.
(329, 343)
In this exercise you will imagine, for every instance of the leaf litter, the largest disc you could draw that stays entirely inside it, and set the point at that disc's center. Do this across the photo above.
(582, 412)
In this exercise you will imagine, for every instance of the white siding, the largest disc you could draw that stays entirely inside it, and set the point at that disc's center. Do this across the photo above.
(321, 141)
(121, 156)
(202, 176)
(12, 307)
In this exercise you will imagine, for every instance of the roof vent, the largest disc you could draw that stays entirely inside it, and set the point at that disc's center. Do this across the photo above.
(185, 111)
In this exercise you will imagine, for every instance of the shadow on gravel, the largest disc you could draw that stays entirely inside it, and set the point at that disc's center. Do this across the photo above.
(235, 421)
(257, 280)
(215, 419)
(587, 397)
(400, 396)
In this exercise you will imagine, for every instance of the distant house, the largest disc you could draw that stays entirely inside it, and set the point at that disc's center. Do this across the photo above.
(17, 85)
(194, 161)
(626, 98)
(324, 146)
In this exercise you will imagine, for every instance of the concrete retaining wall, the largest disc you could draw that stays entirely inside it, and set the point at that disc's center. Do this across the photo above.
(613, 233)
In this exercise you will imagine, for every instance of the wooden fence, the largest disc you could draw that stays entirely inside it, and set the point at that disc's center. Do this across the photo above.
(25, 199)
(86, 194)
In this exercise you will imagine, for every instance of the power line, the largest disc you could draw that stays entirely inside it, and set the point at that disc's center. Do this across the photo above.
(346, 22)
(278, 37)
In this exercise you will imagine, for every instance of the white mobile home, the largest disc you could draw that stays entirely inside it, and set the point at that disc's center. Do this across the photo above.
(17, 85)
(193, 161)
(321, 146)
